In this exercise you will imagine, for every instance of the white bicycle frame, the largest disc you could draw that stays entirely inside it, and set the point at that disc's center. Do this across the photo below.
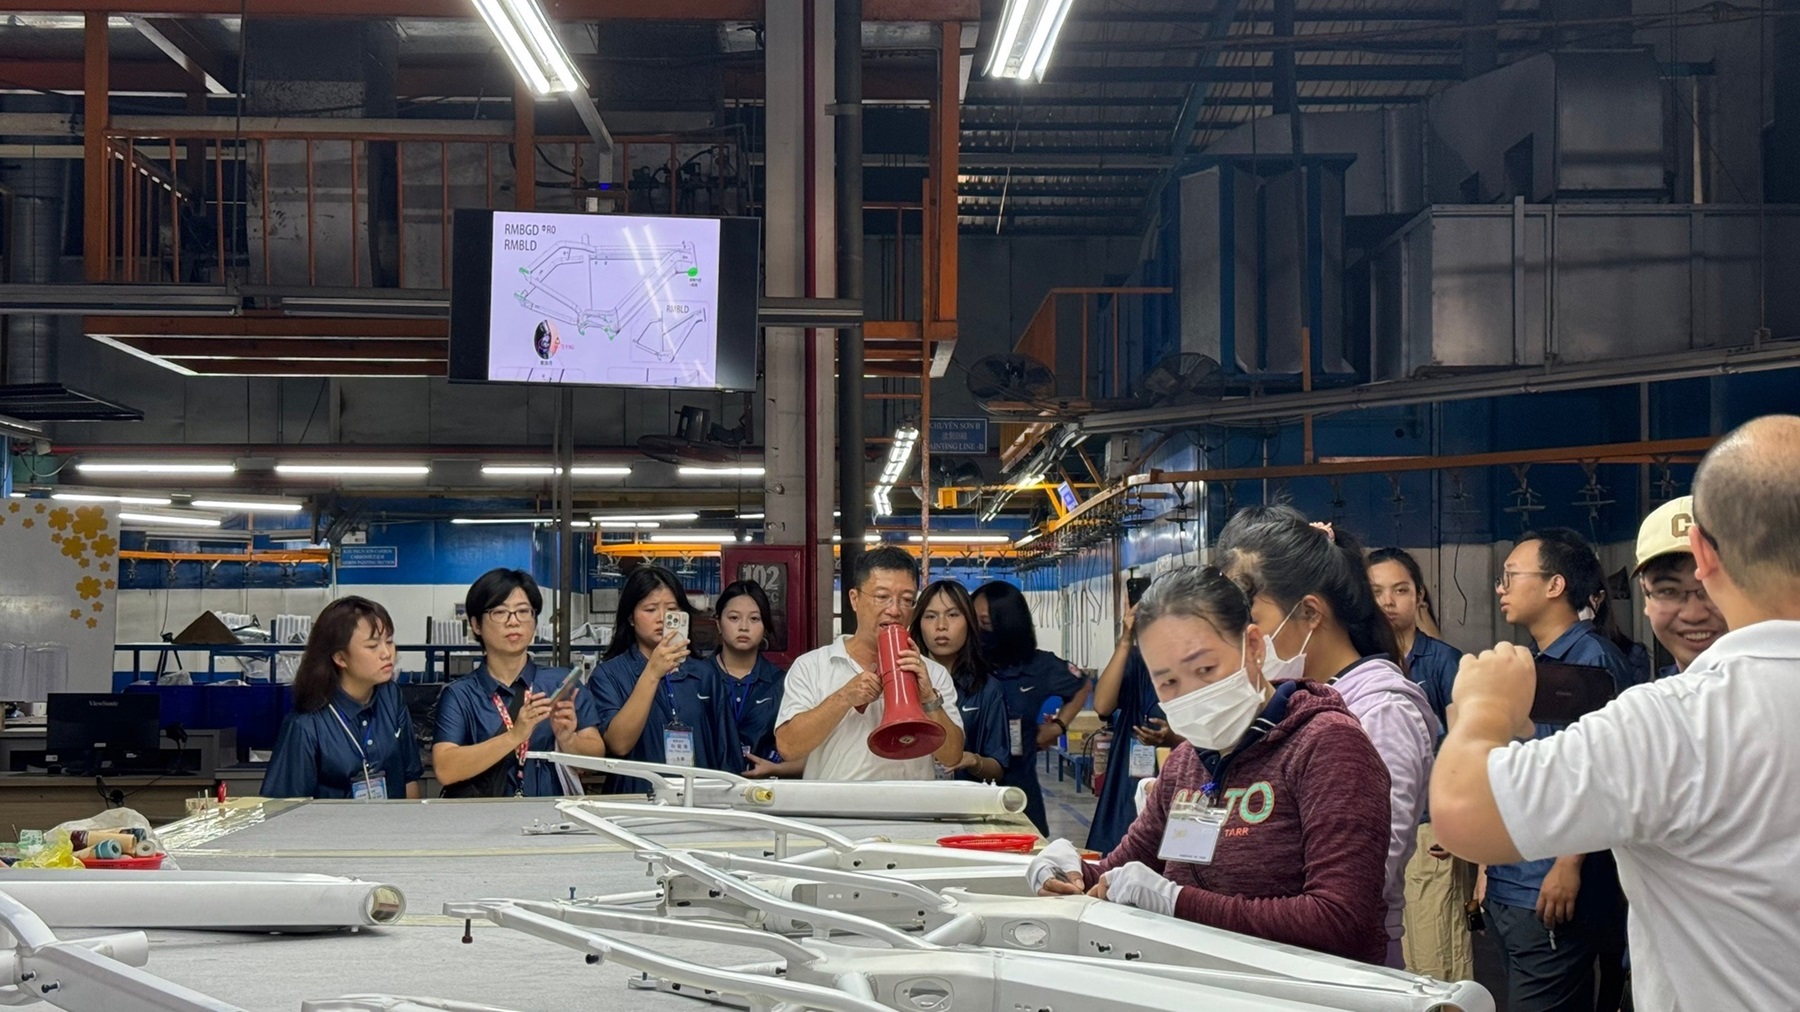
(203, 900)
(691, 787)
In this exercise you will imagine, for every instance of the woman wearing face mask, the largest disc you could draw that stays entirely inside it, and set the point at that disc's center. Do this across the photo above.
(942, 624)
(1274, 810)
(1310, 585)
(753, 681)
(1027, 677)
(652, 701)
(349, 735)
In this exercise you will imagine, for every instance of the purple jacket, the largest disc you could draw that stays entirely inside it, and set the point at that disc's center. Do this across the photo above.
(1396, 715)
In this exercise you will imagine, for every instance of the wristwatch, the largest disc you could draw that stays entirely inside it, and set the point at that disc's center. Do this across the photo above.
(932, 706)
(1058, 721)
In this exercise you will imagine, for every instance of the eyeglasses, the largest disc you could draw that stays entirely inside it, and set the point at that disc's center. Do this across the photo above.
(1507, 576)
(886, 601)
(505, 616)
(1677, 597)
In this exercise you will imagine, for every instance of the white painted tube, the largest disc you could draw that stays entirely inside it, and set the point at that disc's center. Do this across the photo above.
(203, 901)
(886, 799)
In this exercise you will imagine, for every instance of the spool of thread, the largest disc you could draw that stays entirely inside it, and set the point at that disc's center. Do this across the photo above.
(145, 849)
(105, 850)
(126, 839)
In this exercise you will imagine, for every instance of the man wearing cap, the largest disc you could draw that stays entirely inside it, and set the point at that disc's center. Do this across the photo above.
(1683, 618)
(1693, 782)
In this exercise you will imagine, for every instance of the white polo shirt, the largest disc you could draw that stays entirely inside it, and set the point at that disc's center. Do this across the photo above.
(845, 755)
(1693, 782)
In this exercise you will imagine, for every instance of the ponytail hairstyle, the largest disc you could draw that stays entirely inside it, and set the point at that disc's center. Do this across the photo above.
(1275, 551)
(1404, 558)
(1203, 593)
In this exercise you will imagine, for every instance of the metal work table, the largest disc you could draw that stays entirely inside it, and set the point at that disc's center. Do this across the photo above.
(436, 851)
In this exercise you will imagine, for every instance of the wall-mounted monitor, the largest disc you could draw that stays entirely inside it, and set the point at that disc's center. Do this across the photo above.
(604, 299)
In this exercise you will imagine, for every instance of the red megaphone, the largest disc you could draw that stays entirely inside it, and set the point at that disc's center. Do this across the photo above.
(905, 731)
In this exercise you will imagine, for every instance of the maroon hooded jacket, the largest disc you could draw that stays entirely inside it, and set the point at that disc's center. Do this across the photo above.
(1302, 855)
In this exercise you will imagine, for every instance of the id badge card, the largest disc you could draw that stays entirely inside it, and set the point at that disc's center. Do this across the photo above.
(1142, 761)
(1015, 737)
(678, 745)
(1192, 833)
(369, 787)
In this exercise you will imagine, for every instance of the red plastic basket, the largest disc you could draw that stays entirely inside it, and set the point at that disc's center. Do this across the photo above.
(125, 863)
(1009, 843)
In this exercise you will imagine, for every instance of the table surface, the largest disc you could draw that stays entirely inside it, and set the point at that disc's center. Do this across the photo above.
(436, 851)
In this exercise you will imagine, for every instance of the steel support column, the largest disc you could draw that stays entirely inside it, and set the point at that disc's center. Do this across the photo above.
(524, 149)
(849, 172)
(94, 169)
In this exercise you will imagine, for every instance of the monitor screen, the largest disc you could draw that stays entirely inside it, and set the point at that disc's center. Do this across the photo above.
(80, 721)
(604, 300)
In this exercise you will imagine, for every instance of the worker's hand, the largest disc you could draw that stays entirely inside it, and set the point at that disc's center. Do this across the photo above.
(968, 761)
(1481, 885)
(1556, 897)
(760, 768)
(1056, 870)
(1500, 683)
(1047, 733)
(1138, 885)
(913, 663)
(1155, 733)
(862, 690)
(533, 713)
(668, 655)
(562, 721)
(1128, 624)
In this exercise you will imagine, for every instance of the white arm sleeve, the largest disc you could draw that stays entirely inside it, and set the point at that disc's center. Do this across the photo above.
(803, 689)
(1628, 773)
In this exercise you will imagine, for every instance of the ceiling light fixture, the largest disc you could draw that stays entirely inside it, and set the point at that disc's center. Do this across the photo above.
(720, 472)
(900, 452)
(962, 539)
(170, 518)
(355, 470)
(629, 525)
(1028, 539)
(698, 538)
(129, 500)
(1028, 32)
(86, 468)
(547, 470)
(647, 516)
(531, 44)
(868, 539)
(245, 506)
(466, 521)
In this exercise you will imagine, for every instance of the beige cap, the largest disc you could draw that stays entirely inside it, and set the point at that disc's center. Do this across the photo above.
(1665, 531)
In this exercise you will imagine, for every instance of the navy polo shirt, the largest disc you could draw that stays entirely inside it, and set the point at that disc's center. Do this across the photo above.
(468, 713)
(1116, 808)
(318, 757)
(695, 694)
(1432, 663)
(1516, 885)
(755, 700)
(1668, 671)
(1025, 686)
(983, 723)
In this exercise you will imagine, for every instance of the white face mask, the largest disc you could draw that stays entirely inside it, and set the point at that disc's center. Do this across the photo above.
(1276, 668)
(1215, 716)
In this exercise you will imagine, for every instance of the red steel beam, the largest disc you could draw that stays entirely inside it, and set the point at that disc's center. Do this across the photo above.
(558, 10)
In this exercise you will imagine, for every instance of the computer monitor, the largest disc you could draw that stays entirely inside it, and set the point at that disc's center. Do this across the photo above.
(80, 723)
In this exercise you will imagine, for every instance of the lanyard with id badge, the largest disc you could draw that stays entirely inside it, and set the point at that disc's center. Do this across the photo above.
(1192, 832)
(371, 786)
(678, 738)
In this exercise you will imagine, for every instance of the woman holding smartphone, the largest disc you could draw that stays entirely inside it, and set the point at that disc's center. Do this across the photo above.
(754, 682)
(943, 625)
(652, 701)
(349, 735)
(490, 718)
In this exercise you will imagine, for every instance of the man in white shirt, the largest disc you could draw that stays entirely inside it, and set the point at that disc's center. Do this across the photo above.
(1693, 781)
(818, 720)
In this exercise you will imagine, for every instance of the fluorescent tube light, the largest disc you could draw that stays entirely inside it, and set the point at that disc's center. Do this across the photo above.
(547, 470)
(629, 525)
(502, 520)
(961, 539)
(245, 506)
(356, 470)
(1028, 539)
(170, 518)
(647, 516)
(531, 44)
(868, 539)
(156, 468)
(1028, 33)
(129, 500)
(720, 472)
(899, 461)
(697, 538)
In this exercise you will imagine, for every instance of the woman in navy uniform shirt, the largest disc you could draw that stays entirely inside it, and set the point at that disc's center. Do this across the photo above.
(754, 682)
(488, 719)
(1125, 692)
(943, 628)
(1027, 677)
(349, 735)
(652, 702)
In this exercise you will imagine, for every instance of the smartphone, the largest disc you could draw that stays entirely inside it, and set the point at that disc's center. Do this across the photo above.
(577, 675)
(676, 622)
(1568, 692)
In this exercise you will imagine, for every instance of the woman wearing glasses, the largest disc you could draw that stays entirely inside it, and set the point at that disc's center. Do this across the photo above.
(488, 720)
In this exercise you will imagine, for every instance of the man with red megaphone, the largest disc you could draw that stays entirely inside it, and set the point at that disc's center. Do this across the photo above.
(843, 718)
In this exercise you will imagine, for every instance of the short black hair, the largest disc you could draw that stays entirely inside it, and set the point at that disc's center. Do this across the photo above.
(1565, 553)
(888, 558)
(1014, 636)
(492, 588)
(1664, 567)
